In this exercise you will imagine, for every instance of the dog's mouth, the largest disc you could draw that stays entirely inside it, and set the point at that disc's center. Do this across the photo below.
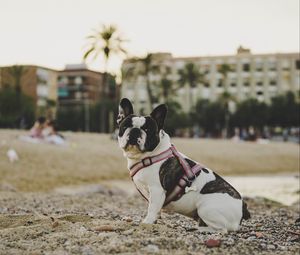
(133, 151)
(132, 148)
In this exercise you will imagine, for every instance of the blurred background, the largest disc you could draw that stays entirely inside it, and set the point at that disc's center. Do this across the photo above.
(222, 72)
(228, 71)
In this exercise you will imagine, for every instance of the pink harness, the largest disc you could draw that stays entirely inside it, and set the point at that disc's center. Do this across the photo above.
(190, 173)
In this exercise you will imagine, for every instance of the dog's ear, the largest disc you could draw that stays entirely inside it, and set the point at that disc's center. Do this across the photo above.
(125, 109)
(159, 114)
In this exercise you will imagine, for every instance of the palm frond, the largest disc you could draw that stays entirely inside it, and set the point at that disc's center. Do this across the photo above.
(87, 53)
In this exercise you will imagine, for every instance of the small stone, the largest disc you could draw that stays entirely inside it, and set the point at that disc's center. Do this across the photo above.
(211, 243)
(271, 247)
(259, 234)
(55, 224)
(104, 228)
(128, 232)
(151, 248)
(230, 241)
(251, 238)
(127, 219)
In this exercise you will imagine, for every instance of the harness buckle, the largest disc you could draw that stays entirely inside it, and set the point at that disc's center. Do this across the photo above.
(147, 162)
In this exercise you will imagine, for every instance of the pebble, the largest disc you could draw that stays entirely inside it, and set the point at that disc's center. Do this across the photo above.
(259, 234)
(211, 243)
(104, 228)
(128, 232)
(271, 247)
(151, 248)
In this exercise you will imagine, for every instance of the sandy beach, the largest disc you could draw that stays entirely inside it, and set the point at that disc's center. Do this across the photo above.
(78, 200)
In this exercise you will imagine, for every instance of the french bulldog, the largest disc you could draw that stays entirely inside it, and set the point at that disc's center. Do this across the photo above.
(159, 169)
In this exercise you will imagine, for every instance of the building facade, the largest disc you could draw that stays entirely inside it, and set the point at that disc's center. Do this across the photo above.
(37, 82)
(77, 85)
(248, 75)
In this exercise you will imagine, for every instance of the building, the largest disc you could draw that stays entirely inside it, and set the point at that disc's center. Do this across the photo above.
(260, 76)
(39, 83)
(77, 85)
(79, 89)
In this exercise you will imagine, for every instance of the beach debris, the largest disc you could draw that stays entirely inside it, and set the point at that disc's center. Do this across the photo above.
(104, 228)
(12, 155)
(211, 243)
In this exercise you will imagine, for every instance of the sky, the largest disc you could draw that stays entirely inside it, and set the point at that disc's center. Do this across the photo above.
(52, 33)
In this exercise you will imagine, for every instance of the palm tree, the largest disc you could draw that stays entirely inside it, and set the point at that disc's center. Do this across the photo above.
(166, 88)
(106, 42)
(225, 99)
(224, 69)
(190, 76)
(17, 72)
(149, 67)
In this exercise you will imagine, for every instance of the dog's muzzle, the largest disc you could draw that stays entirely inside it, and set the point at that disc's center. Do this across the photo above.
(134, 134)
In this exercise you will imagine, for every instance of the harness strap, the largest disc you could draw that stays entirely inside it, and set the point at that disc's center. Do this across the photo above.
(186, 180)
(186, 167)
(179, 190)
(145, 162)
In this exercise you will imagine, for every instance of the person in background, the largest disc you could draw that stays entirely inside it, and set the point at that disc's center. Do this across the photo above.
(51, 135)
(38, 127)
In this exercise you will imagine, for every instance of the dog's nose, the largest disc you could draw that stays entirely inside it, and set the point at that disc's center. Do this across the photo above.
(134, 135)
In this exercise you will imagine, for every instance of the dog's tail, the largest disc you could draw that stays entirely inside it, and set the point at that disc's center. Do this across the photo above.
(246, 213)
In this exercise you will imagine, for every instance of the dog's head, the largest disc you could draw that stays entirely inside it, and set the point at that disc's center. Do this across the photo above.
(139, 134)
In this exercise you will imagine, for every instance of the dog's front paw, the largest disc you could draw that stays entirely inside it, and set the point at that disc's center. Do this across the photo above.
(148, 221)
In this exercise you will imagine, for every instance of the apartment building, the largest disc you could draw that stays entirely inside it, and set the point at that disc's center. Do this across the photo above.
(78, 85)
(260, 76)
(39, 83)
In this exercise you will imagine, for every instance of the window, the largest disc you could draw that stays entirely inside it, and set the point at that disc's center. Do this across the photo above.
(246, 67)
(297, 64)
(272, 66)
(233, 84)
(206, 85)
(246, 84)
(259, 93)
(273, 83)
(232, 67)
(259, 84)
(258, 64)
(78, 80)
(285, 64)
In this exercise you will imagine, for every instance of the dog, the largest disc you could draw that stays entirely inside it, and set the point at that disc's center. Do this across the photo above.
(169, 179)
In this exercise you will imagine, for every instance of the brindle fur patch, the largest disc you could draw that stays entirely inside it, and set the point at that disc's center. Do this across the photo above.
(170, 173)
(219, 185)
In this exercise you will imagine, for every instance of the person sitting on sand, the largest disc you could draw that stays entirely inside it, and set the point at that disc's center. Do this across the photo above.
(37, 129)
(51, 135)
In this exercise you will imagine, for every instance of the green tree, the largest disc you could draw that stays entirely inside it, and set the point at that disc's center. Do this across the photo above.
(176, 118)
(147, 69)
(284, 110)
(15, 106)
(106, 42)
(251, 112)
(166, 88)
(190, 76)
(210, 116)
(225, 100)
